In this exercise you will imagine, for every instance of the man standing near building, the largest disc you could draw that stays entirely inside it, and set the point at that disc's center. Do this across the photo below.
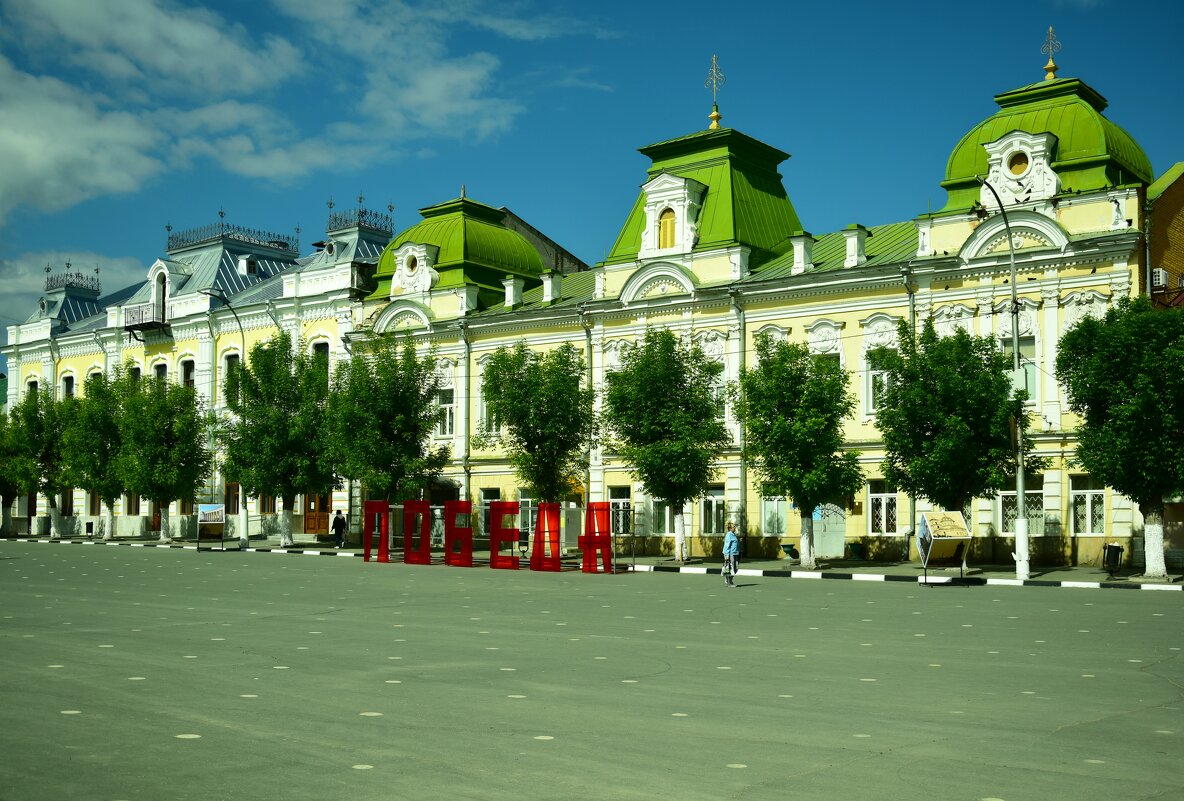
(339, 528)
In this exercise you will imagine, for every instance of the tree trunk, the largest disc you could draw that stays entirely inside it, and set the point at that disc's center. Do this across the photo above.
(164, 521)
(807, 546)
(680, 537)
(56, 525)
(109, 520)
(1156, 567)
(286, 523)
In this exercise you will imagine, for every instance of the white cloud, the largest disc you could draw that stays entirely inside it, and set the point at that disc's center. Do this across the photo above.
(59, 146)
(158, 43)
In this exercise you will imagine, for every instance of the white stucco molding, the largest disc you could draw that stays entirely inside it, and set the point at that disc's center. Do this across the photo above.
(1028, 229)
(402, 314)
(658, 279)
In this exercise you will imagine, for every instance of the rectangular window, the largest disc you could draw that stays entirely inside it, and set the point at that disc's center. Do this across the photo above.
(131, 505)
(488, 496)
(620, 506)
(31, 387)
(231, 498)
(661, 519)
(68, 386)
(1088, 497)
(67, 507)
(877, 382)
(1027, 363)
(714, 511)
(135, 374)
(184, 507)
(1033, 506)
(320, 355)
(266, 504)
(446, 412)
(232, 363)
(94, 504)
(772, 513)
(187, 372)
(162, 371)
(881, 505)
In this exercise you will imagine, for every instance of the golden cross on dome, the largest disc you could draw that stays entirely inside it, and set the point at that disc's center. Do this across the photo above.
(715, 79)
(1051, 47)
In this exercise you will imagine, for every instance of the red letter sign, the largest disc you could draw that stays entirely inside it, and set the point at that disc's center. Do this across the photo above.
(499, 535)
(421, 555)
(545, 554)
(376, 515)
(597, 537)
(454, 534)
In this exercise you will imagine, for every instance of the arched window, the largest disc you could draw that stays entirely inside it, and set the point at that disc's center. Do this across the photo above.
(162, 291)
(666, 229)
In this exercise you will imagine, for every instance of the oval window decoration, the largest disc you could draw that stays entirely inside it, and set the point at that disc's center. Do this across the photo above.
(1018, 163)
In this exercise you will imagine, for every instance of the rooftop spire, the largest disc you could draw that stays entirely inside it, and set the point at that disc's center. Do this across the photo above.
(1052, 47)
(715, 79)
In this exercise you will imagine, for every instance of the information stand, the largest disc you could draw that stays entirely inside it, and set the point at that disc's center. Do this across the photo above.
(211, 525)
(943, 539)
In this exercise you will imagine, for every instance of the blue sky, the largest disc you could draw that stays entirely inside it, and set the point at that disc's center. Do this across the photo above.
(119, 116)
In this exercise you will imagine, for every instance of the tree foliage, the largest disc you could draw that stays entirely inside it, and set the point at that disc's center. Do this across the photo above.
(948, 416)
(93, 438)
(546, 416)
(666, 417)
(39, 463)
(793, 405)
(1124, 376)
(164, 453)
(276, 442)
(10, 488)
(381, 413)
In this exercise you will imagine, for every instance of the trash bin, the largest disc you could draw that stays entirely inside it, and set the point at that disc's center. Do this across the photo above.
(1111, 557)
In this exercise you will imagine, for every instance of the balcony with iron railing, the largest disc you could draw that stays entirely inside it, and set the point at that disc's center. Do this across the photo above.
(144, 316)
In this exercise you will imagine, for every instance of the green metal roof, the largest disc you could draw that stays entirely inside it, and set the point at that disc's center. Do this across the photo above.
(1091, 152)
(574, 289)
(886, 244)
(1164, 181)
(474, 245)
(745, 202)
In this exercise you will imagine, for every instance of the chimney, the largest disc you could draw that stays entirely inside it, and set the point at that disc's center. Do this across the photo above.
(803, 251)
(513, 291)
(856, 235)
(551, 283)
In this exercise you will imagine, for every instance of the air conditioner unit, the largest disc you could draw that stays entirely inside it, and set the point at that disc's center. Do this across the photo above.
(1159, 277)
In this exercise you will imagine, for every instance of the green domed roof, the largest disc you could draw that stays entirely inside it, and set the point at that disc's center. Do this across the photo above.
(475, 246)
(1091, 152)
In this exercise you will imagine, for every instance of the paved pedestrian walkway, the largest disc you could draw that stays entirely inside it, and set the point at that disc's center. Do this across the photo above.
(1079, 576)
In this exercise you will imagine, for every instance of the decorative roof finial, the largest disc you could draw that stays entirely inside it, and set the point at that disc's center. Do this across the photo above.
(330, 204)
(462, 191)
(1052, 47)
(361, 199)
(715, 79)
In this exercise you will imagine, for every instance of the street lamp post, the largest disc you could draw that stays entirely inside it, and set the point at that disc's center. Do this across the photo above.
(906, 272)
(243, 517)
(1021, 557)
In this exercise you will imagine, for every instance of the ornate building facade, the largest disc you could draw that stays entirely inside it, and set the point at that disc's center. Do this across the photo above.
(713, 249)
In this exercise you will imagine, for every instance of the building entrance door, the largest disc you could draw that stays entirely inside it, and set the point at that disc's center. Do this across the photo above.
(316, 514)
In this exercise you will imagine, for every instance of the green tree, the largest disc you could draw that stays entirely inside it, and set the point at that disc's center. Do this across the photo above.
(93, 440)
(948, 416)
(1124, 376)
(164, 453)
(666, 418)
(381, 414)
(793, 405)
(275, 444)
(10, 488)
(545, 416)
(39, 464)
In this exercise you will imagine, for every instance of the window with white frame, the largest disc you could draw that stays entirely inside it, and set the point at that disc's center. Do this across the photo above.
(445, 411)
(881, 506)
(1033, 506)
(488, 496)
(1027, 363)
(620, 502)
(715, 515)
(486, 420)
(772, 513)
(1088, 500)
(661, 518)
(68, 386)
(877, 383)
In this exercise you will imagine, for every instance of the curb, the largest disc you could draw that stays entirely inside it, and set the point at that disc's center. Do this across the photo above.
(823, 575)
